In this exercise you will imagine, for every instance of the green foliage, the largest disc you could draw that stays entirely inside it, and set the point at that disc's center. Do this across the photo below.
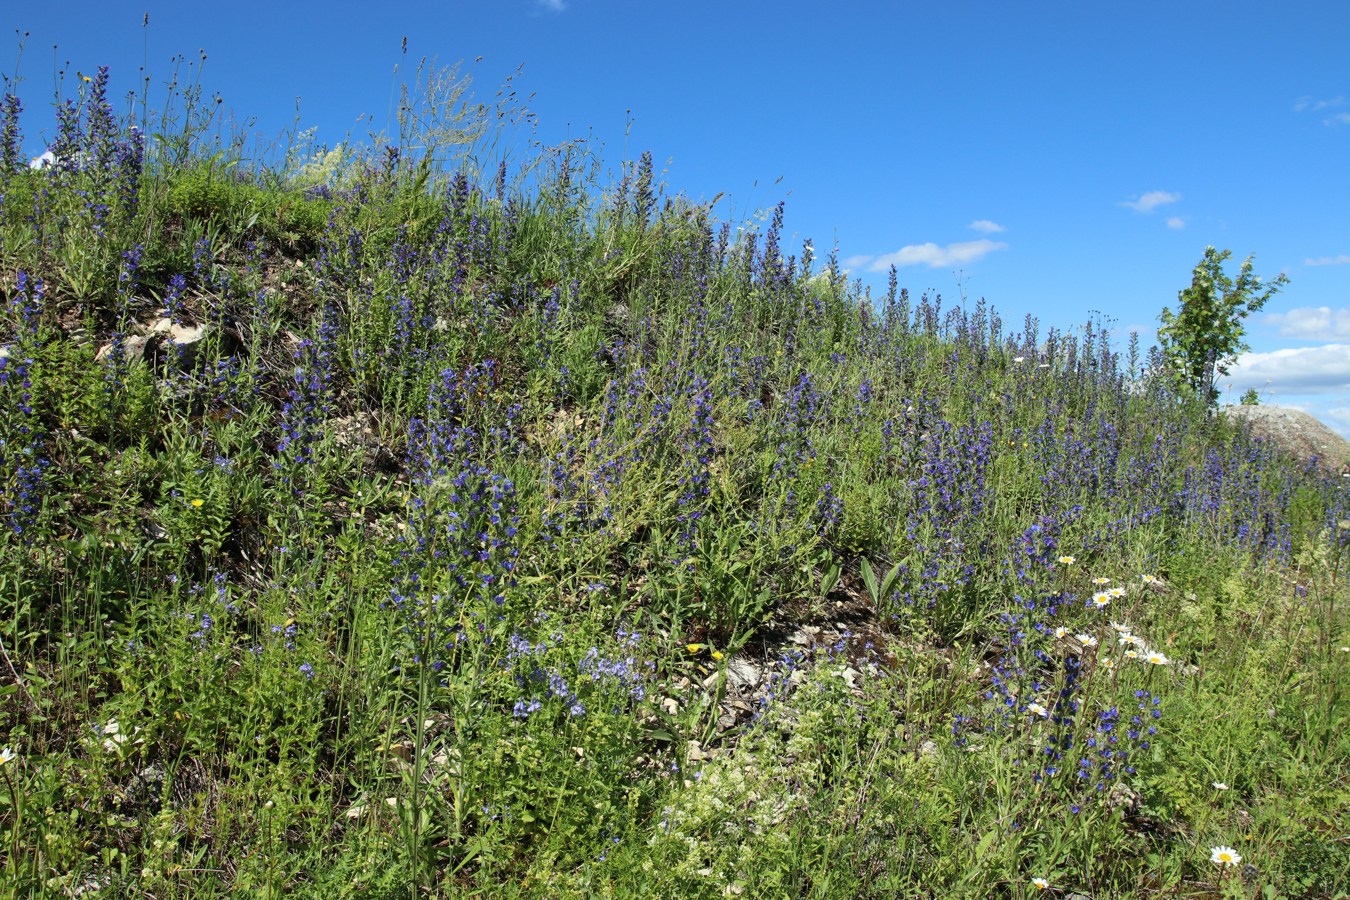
(1250, 397)
(233, 201)
(1205, 335)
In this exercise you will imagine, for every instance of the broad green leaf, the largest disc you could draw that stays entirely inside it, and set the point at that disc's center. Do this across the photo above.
(870, 579)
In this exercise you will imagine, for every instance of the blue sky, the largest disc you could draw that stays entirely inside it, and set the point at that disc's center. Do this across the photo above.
(1055, 158)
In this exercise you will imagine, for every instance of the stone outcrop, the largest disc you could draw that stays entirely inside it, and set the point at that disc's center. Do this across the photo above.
(1301, 435)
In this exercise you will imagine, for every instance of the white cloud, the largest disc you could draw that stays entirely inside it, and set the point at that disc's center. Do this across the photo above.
(553, 5)
(857, 262)
(1308, 104)
(929, 254)
(1337, 419)
(986, 226)
(1306, 370)
(1305, 104)
(1176, 223)
(1315, 323)
(1151, 201)
(1328, 260)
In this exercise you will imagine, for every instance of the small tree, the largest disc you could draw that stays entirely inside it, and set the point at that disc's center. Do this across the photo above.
(1203, 338)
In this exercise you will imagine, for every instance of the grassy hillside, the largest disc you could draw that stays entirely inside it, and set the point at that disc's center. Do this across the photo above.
(375, 531)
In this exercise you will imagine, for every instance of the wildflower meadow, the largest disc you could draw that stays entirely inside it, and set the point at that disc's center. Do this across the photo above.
(393, 521)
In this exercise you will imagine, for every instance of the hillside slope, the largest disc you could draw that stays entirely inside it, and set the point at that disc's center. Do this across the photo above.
(389, 531)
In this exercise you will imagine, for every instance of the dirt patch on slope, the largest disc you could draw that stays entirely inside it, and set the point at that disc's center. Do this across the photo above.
(1301, 435)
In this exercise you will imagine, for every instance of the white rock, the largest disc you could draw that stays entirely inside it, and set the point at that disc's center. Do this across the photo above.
(179, 334)
(133, 347)
(743, 674)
